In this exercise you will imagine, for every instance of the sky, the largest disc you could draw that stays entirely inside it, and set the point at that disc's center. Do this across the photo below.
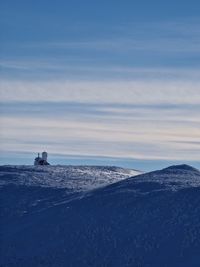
(100, 82)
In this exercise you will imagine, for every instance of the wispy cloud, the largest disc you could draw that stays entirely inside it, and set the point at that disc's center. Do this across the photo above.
(92, 71)
(135, 131)
(132, 92)
(179, 35)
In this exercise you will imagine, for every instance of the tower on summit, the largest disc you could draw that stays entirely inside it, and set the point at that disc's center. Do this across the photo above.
(40, 161)
(44, 155)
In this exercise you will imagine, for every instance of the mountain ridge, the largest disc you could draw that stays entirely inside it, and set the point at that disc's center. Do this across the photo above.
(150, 220)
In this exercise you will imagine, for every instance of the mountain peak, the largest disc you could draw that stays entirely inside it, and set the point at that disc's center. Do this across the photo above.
(181, 167)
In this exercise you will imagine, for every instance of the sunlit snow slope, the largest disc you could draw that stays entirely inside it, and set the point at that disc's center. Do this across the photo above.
(74, 178)
(150, 220)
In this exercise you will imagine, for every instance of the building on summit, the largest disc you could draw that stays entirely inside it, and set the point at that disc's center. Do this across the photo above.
(40, 161)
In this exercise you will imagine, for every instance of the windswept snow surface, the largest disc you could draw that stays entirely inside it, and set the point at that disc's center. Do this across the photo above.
(74, 178)
(172, 178)
(150, 220)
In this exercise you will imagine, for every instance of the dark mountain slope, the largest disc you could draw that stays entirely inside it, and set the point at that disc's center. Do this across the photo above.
(149, 220)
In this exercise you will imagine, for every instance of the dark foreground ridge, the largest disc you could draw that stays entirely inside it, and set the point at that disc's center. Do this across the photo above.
(150, 220)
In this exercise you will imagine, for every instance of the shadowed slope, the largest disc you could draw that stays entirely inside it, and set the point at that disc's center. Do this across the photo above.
(147, 220)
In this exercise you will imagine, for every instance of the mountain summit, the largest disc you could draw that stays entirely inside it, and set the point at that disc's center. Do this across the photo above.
(182, 167)
(174, 177)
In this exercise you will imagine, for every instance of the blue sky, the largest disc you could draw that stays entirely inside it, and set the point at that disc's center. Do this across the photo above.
(100, 82)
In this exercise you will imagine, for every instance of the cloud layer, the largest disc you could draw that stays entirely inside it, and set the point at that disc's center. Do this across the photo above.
(132, 92)
(151, 121)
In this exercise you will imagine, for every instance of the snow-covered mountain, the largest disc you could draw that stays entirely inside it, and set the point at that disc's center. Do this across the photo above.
(152, 219)
(74, 178)
(172, 178)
